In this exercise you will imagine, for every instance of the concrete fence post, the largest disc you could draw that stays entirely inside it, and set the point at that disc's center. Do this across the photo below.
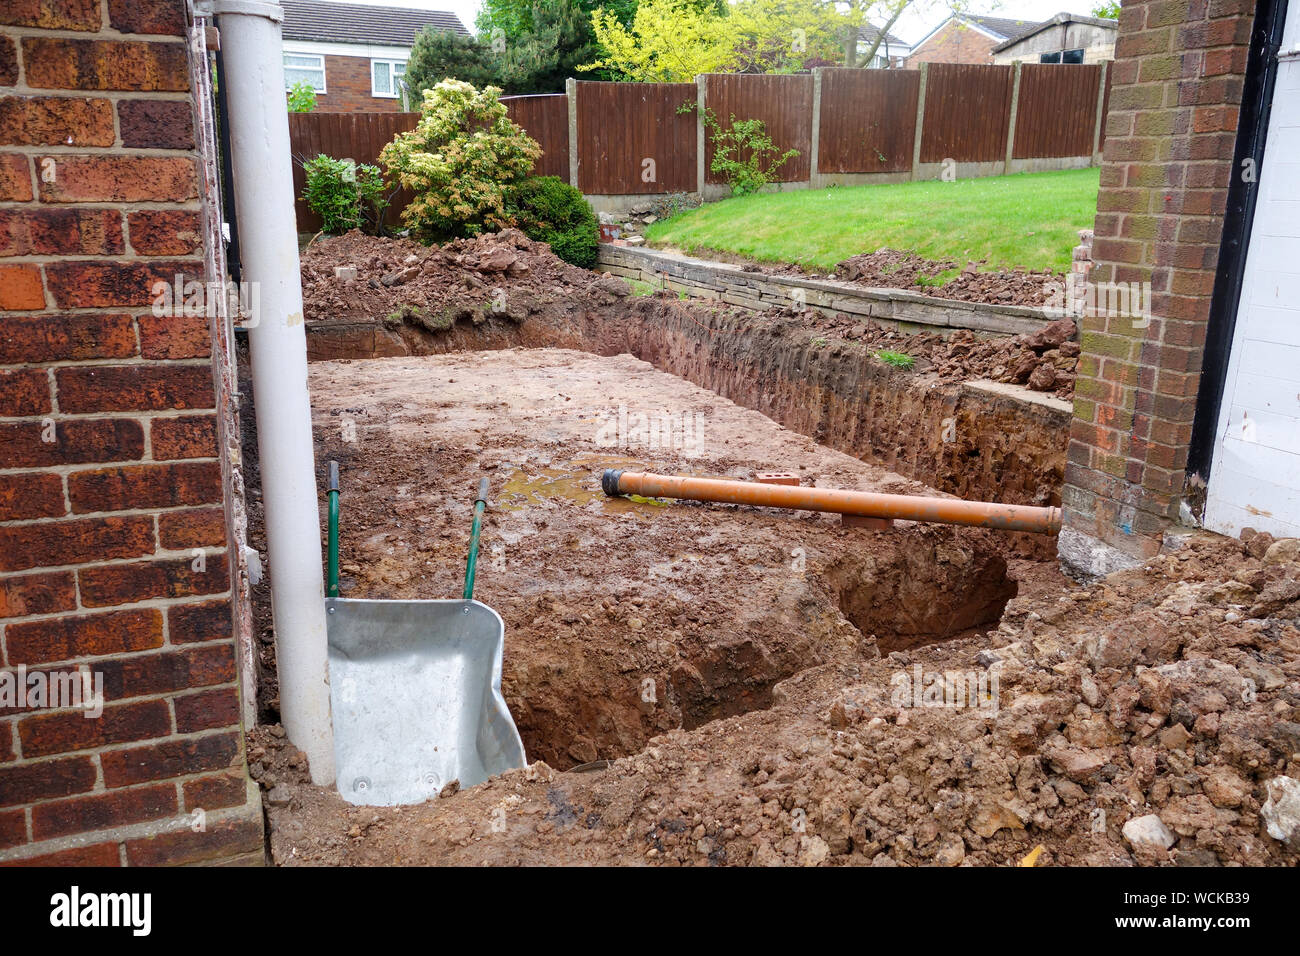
(814, 151)
(701, 92)
(920, 121)
(1101, 115)
(1011, 118)
(571, 96)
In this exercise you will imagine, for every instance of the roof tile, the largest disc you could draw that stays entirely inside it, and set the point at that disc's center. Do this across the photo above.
(360, 23)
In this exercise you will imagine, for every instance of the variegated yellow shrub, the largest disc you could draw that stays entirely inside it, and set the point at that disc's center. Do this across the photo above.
(461, 162)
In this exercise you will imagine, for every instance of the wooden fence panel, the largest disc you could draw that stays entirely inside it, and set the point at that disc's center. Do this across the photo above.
(622, 125)
(356, 136)
(967, 109)
(361, 136)
(544, 117)
(784, 103)
(1057, 111)
(868, 121)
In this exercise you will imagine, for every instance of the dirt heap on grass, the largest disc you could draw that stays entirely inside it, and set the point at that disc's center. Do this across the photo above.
(1152, 718)
(890, 269)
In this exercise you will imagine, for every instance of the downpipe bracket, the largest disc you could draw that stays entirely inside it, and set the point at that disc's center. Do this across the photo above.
(207, 9)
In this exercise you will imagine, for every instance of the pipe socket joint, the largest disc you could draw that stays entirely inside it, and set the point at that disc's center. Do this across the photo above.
(609, 481)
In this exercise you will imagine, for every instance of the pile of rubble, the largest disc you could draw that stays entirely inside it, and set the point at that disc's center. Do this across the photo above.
(628, 228)
(890, 269)
(1044, 361)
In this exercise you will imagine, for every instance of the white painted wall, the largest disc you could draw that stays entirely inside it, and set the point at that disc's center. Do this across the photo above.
(1097, 44)
(1255, 475)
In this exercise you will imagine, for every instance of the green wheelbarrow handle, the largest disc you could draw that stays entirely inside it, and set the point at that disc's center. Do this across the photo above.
(479, 504)
(332, 577)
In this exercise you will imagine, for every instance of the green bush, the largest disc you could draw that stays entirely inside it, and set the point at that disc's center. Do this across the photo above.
(551, 211)
(346, 195)
(461, 162)
(301, 97)
(743, 152)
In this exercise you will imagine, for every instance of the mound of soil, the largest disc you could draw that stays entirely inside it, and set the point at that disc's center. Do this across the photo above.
(501, 276)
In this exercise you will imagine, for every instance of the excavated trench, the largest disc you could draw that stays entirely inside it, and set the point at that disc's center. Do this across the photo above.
(575, 713)
(632, 626)
(976, 441)
(626, 619)
(926, 607)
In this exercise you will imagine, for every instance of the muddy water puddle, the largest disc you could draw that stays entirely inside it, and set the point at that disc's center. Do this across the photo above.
(526, 487)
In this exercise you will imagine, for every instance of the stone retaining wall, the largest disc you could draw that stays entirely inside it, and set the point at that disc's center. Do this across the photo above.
(738, 285)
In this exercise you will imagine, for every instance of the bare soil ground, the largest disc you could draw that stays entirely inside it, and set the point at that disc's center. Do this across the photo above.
(778, 645)
(715, 605)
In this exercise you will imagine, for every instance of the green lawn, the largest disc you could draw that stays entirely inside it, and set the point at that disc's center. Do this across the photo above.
(1028, 220)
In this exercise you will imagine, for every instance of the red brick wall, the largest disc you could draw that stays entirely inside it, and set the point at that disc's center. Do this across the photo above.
(347, 84)
(954, 43)
(1177, 83)
(109, 471)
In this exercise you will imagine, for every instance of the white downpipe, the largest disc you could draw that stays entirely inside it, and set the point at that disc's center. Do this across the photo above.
(259, 151)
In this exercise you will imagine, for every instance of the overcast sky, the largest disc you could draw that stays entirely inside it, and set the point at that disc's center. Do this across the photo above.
(912, 26)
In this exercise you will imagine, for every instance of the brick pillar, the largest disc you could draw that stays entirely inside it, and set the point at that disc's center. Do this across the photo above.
(1177, 83)
(113, 507)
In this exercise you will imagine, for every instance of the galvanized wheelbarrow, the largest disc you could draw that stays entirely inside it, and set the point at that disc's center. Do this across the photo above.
(415, 687)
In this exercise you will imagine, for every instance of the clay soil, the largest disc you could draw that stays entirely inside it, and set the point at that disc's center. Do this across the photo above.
(775, 644)
(713, 604)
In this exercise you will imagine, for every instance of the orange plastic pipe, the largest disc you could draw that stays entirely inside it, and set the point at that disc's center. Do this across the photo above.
(980, 514)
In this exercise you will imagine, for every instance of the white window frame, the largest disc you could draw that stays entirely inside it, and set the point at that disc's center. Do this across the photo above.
(319, 57)
(390, 62)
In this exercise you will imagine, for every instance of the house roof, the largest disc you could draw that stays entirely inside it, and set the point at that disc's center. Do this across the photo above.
(360, 23)
(1004, 27)
(997, 29)
(868, 34)
(1057, 20)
